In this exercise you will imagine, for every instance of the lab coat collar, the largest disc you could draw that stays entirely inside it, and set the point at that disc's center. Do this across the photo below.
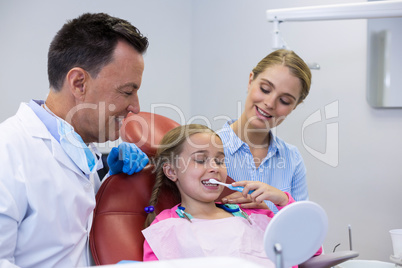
(47, 119)
(37, 129)
(50, 121)
(32, 124)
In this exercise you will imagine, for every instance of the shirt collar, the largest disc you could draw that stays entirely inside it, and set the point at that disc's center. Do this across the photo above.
(273, 145)
(235, 143)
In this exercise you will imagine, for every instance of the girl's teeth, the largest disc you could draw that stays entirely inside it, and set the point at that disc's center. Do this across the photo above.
(206, 183)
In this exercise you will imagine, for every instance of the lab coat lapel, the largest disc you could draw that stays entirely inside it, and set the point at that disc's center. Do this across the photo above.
(35, 127)
(32, 124)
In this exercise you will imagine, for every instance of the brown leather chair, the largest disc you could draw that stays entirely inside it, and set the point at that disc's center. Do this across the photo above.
(119, 215)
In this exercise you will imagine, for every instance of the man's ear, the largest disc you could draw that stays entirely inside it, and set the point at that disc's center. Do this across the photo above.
(76, 79)
(170, 172)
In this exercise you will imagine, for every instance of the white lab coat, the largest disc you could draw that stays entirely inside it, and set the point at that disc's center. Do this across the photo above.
(46, 202)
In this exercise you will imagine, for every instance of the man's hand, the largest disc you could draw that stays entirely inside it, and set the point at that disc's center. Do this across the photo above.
(126, 158)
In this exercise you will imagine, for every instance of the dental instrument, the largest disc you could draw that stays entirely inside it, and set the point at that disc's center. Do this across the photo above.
(235, 188)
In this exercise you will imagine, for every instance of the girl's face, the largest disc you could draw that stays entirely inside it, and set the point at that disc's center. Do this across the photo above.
(201, 159)
(272, 95)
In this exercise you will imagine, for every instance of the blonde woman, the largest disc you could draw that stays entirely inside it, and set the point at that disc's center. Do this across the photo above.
(278, 83)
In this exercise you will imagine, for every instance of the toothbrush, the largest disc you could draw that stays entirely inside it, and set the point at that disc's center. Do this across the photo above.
(235, 188)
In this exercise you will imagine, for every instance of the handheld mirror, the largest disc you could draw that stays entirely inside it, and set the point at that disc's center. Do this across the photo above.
(298, 230)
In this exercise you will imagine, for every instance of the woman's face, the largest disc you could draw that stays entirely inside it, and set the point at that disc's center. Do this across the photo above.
(272, 95)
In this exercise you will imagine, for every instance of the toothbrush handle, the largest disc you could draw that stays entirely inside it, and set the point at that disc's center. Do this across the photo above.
(239, 188)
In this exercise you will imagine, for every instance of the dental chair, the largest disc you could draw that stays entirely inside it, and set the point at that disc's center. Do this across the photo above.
(119, 215)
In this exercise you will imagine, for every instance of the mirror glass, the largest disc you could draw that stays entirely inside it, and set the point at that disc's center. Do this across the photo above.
(384, 63)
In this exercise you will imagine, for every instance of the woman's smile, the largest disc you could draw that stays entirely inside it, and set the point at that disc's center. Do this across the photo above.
(263, 113)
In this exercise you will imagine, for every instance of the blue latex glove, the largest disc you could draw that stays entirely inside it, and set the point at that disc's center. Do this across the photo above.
(126, 158)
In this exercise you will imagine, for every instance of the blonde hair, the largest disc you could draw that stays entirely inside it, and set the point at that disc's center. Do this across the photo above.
(170, 147)
(295, 64)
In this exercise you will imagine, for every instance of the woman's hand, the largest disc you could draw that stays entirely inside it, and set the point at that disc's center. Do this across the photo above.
(238, 198)
(262, 191)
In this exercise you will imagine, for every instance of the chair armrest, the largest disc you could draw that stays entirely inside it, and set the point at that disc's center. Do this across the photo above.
(329, 260)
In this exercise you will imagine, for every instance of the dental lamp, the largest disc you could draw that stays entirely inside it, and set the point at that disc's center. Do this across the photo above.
(365, 10)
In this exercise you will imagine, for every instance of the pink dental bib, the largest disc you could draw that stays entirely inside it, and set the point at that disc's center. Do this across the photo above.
(175, 238)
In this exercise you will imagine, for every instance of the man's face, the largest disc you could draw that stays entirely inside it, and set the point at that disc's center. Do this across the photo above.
(110, 96)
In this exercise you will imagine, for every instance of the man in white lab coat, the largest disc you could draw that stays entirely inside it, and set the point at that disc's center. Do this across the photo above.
(48, 177)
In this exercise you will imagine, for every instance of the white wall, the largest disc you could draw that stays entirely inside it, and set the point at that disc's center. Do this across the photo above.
(199, 59)
(364, 188)
(29, 26)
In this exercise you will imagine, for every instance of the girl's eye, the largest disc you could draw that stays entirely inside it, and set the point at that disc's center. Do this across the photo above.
(199, 161)
(219, 161)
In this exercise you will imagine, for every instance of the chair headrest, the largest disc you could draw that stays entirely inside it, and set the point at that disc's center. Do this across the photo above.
(146, 130)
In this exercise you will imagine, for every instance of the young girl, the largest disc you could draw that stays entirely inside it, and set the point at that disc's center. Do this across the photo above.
(188, 157)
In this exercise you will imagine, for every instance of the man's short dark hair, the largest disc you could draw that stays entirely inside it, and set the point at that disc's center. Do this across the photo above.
(89, 42)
